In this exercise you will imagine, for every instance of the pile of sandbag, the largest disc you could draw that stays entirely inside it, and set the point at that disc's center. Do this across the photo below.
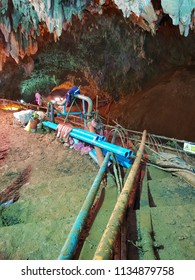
(23, 117)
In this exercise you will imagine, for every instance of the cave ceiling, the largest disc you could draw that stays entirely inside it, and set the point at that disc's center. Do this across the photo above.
(23, 21)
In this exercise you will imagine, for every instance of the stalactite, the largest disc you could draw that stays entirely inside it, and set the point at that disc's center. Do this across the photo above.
(59, 16)
(24, 17)
(181, 13)
(14, 47)
(141, 8)
(5, 27)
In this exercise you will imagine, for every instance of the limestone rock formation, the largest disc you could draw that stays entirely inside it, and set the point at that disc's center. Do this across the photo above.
(22, 21)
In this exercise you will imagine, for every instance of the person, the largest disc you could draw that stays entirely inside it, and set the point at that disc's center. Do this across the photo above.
(38, 99)
(70, 93)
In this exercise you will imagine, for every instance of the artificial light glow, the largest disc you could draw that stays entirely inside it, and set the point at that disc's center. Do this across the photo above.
(10, 108)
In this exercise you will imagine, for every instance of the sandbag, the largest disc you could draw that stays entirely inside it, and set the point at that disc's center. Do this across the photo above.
(23, 117)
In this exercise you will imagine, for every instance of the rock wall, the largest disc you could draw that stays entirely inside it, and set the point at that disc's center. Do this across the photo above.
(106, 53)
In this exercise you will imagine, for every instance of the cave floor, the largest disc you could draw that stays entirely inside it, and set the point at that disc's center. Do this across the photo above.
(54, 181)
(169, 203)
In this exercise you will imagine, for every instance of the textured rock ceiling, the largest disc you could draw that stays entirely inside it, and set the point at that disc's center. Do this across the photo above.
(22, 21)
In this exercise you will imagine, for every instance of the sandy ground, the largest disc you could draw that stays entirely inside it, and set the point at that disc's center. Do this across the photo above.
(49, 181)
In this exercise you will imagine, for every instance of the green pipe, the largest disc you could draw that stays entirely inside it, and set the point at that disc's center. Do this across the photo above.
(106, 245)
(70, 245)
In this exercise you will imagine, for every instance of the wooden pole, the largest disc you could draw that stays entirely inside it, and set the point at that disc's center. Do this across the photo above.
(105, 247)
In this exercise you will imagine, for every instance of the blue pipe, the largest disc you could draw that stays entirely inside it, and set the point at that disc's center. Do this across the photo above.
(64, 113)
(50, 125)
(64, 109)
(84, 111)
(70, 113)
(102, 137)
(70, 245)
(90, 134)
(92, 154)
(101, 144)
(104, 145)
(87, 137)
(121, 160)
(74, 133)
(114, 149)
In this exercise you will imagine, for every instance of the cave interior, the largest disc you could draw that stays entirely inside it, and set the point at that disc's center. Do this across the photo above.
(137, 54)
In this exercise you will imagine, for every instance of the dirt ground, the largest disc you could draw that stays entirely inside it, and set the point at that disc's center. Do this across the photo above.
(49, 181)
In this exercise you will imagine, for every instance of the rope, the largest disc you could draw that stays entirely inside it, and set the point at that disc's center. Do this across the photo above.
(69, 110)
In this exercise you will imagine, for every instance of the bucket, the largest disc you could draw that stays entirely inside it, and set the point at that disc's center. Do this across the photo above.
(33, 125)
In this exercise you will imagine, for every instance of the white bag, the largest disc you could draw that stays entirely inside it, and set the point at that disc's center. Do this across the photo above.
(23, 117)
